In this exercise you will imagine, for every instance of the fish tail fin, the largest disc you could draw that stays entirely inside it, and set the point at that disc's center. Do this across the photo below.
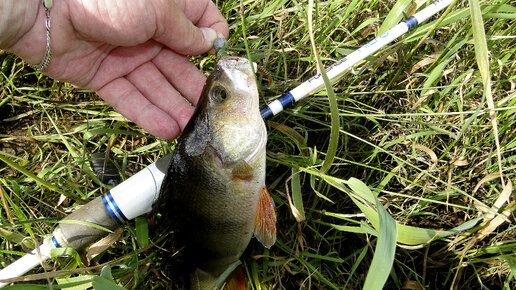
(236, 280)
(265, 220)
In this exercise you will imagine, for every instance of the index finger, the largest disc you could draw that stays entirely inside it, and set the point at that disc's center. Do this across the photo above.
(209, 17)
(190, 27)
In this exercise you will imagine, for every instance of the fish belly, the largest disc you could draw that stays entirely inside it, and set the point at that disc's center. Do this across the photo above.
(216, 214)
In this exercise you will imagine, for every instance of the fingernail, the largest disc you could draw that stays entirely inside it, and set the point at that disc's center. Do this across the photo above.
(209, 34)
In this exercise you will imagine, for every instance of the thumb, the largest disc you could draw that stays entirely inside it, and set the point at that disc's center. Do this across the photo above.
(176, 30)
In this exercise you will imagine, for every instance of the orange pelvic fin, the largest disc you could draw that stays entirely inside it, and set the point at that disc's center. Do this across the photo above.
(265, 220)
(236, 280)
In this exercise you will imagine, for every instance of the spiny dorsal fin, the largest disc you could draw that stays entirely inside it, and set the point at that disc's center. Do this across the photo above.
(265, 220)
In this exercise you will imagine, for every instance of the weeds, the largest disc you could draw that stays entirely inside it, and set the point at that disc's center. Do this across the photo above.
(426, 132)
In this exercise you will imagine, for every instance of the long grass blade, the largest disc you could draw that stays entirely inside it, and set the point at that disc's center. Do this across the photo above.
(334, 111)
(394, 16)
(32, 176)
(297, 197)
(481, 54)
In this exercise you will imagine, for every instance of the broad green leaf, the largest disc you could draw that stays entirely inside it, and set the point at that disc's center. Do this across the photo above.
(101, 283)
(407, 235)
(412, 236)
(16, 238)
(75, 283)
(361, 189)
(142, 232)
(105, 272)
(105, 280)
(383, 258)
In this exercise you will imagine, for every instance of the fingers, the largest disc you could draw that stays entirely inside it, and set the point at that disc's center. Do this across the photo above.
(151, 83)
(190, 27)
(204, 13)
(144, 74)
(121, 61)
(181, 73)
(149, 80)
(131, 103)
(211, 17)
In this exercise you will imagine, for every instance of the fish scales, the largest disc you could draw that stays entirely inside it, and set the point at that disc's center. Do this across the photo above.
(214, 194)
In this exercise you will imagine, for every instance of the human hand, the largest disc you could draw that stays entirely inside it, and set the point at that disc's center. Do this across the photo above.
(132, 53)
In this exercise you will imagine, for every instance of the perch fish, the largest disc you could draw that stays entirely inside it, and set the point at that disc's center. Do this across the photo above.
(214, 193)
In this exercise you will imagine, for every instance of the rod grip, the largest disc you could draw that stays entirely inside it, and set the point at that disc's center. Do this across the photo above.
(129, 199)
(79, 235)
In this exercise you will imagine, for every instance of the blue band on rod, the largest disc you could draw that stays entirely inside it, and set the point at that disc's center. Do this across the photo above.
(411, 22)
(266, 113)
(55, 243)
(113, 208)
(110, 209)
(287, 100)
(118, 210)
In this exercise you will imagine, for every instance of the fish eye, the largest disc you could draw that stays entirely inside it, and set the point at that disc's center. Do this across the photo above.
(218, 94)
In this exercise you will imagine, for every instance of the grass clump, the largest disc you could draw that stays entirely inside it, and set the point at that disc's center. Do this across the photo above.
(426, 133)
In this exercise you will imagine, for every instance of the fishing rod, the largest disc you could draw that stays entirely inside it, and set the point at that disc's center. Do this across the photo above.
(134, 197)
(126, 201)
(336, 70)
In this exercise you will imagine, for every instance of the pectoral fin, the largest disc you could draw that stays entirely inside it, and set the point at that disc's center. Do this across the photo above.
(265, 220)
(243, 171)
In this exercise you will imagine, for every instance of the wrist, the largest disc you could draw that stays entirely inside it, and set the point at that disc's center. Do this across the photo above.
(16, 18)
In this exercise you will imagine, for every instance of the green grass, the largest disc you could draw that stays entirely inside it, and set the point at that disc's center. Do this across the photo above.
(426, 125)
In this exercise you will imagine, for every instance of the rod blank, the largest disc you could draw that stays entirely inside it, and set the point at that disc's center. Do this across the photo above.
(336, 70)
(27, 262)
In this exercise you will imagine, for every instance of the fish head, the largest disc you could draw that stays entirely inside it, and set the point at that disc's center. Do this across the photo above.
(230, 102)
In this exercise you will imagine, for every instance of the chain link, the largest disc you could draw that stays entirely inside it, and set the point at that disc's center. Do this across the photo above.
(47, 4)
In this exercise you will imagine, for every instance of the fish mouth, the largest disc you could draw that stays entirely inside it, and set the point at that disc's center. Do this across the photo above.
(239, 71)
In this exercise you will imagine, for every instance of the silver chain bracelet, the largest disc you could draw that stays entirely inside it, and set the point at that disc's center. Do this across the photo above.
(48, 53)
